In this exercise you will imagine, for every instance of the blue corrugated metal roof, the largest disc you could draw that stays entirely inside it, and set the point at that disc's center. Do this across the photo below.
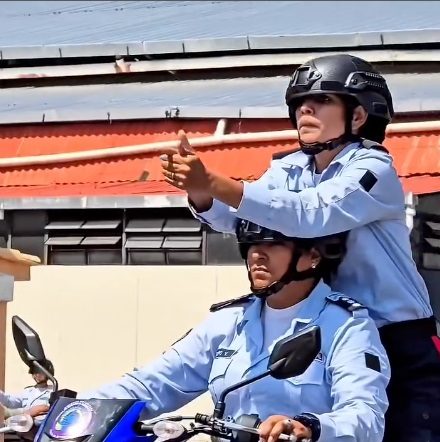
(233, 98)
(40, 23)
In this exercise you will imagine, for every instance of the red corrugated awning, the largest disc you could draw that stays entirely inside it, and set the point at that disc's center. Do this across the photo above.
(416, 155)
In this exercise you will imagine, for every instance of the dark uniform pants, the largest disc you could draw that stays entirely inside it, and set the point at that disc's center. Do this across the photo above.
(414, 389)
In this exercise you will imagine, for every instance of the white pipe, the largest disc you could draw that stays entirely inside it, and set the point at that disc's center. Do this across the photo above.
(221, 127)
(410, 209)
(213, 140)
(282, 135)
(418, 126)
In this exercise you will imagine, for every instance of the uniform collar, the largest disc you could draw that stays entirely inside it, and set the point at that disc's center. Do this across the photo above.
(297, 159)
(346, 154)
(303, 161)
(309, 312)
(313, 306)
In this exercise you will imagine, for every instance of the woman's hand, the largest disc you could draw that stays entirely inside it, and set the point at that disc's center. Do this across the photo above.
(184, 169)
(37, 410)
(273, 426)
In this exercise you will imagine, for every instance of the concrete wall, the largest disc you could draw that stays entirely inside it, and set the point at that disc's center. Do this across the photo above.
(96, 323)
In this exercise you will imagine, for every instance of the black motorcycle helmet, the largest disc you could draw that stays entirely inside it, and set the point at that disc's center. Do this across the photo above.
(356, 82)
(332, 249)
(47, 365)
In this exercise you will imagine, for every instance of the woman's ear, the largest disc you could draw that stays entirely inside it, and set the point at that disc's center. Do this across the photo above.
(360, 116)
(309, 260)
(315, 258)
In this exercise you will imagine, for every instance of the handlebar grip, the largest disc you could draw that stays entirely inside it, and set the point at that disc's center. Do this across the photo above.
(203, 419)
(290, 437)
(144, 428)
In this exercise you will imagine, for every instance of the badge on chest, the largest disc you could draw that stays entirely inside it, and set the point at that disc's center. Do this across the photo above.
(320, 357)
(224, 353)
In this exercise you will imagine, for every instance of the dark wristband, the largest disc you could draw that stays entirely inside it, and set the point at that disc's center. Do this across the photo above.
(310, 421)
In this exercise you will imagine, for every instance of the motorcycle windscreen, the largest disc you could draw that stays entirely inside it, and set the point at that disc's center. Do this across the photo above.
(83, 420)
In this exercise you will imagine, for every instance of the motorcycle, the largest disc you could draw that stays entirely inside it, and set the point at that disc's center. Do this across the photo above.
(119, 420)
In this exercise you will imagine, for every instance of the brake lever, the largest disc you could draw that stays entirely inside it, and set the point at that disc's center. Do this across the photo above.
(238, 427)
(149, 428)
(172, 418)
(189, 433)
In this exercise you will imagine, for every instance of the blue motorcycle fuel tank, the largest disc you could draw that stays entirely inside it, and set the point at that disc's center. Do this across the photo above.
(93, 420)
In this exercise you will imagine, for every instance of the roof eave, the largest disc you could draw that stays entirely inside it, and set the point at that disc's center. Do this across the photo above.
(384, 39)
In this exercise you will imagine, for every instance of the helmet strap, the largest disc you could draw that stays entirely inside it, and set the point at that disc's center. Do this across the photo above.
(292, 274)
(315, 148)
(346, 138)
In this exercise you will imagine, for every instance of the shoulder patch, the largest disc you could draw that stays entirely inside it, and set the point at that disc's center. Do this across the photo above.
(373, 362)
(368, 180)
(231, 302)
(345, 302)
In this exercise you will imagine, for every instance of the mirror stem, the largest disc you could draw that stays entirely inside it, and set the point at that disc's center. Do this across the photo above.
(276, 365)
(220, 405)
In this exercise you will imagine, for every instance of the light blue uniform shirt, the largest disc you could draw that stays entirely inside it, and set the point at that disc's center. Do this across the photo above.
(28, 398)
(378, 269)
(347, 396)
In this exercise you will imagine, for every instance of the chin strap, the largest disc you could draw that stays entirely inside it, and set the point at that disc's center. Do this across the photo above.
(267, 291)
(315, 148)
(291, 275)
(345, 138)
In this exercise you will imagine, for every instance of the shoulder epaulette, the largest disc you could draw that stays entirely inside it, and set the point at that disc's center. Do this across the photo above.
(282, 154)
(231, 302)
(368, 144)
(183, 336)
(345, 302)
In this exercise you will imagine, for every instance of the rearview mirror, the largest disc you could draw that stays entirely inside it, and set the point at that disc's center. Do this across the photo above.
(292, 355)
(20, 423)
(27, 342)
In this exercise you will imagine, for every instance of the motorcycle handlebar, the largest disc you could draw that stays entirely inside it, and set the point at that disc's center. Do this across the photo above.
(237, 427)
(212, 426)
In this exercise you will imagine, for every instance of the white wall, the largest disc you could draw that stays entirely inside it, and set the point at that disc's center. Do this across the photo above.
(96, 323)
